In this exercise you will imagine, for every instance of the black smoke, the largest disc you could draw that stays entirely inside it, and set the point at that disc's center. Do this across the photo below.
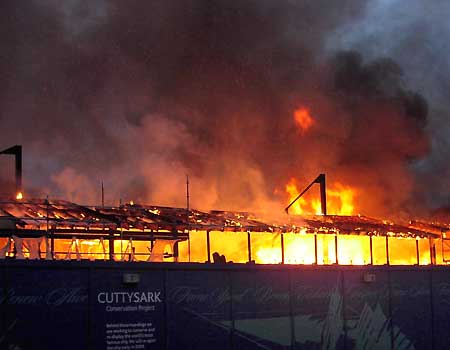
(139, 94)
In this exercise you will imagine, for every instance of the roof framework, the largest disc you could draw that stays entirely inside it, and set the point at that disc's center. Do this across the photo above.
(38, 216)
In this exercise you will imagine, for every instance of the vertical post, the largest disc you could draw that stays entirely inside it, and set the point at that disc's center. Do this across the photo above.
(282, 248)
(417, 251)
(336, 248)
(121, 242)
(315, 249)
(16, 151)
(387, 249)
(19, 169)
(111, 244)
(189, 246)
(371, 250)
(49, 232)
(249, 247)
(432, 251)
(323, 193)
(208, 247)
(187, 218)
(187, 202)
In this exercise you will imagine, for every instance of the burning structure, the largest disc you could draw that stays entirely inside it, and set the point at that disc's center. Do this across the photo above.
(47, 229)
(36, 229)
(251, 102)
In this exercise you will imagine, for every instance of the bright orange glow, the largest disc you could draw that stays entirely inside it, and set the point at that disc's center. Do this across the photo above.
(298, 207)
(303, 119)
(19, 196)
(299, 249)
(353, 250)
(266, 247)
(340, 200)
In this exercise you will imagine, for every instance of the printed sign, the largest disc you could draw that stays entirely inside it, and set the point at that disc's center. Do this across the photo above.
(127, 316)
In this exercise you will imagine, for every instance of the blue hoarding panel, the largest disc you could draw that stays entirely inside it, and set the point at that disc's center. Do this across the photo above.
(198, 310)
(317, 309)
(411, 309)
(132, 306)
(4, 323)
(127, 309)
(441, 308)
(261, 310)
(46, 308)
(366, 309)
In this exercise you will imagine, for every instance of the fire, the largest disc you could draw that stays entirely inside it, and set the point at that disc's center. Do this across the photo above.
(340, 200)
(19, 196)
(303, 119)
(298, 207)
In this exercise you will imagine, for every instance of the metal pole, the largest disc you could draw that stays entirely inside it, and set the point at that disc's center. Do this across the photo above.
(323, 195)
(19, 170)
(187, 218)
(430, 242)
(282, 248)
(16, 151)
(208, 246)
(121, 243)
(387, 249)
(189, 246)
(111, 244)
(371, 250)
(249, 247)
(315, 249)
(336, 247)
(417, 251)
(52, 238)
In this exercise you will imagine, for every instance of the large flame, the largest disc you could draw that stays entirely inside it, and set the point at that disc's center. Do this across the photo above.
(340, 200)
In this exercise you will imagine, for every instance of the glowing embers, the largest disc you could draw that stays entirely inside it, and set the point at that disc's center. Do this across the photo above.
(340, 200)
(19, 196)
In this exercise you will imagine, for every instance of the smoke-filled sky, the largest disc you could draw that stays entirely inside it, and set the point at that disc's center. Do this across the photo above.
(138, 94)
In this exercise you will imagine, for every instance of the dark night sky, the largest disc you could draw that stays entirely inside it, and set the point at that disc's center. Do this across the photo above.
(139, 93)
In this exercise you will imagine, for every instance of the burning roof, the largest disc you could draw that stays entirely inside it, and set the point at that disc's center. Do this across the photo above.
(58, 215)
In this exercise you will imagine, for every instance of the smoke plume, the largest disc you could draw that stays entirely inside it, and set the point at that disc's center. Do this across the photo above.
(137, 95)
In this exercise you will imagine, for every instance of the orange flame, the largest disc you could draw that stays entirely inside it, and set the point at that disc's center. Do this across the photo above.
(303, 119)
(19, 196)
(339, 200)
